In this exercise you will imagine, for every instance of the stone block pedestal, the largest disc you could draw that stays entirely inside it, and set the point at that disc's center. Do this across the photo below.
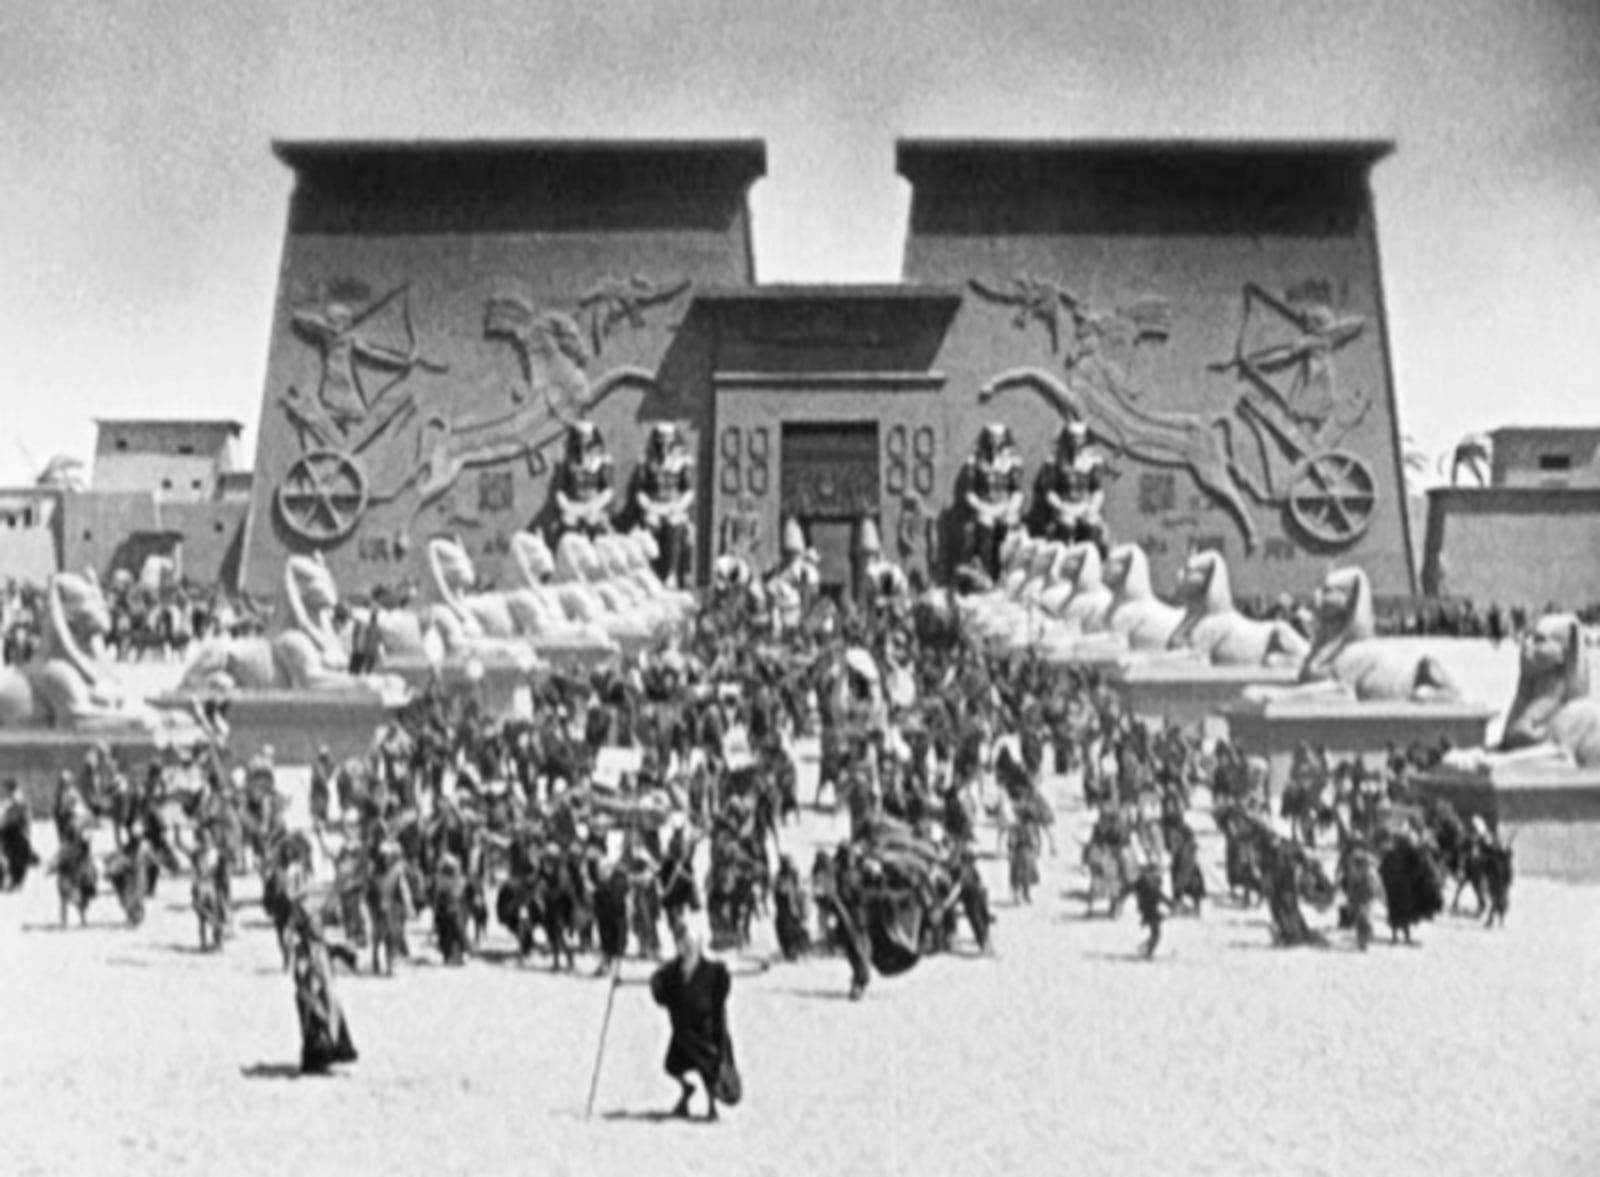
(1190, 694)
(1347, 729)
(36, 757)
(1551, 811)
(296, 723)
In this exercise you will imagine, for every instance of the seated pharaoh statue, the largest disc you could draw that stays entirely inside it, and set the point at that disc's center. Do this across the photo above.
(453, 622)
(1554, 720)
(1349, 661)
(989, 494)
(68, 684)
(1213, 630)
(583, 490)
(306, 654)
(662, 498)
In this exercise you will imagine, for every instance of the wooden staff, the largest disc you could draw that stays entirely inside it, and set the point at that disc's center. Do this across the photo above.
(605, 1025)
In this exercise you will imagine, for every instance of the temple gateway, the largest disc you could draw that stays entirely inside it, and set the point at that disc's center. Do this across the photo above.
(472, 340)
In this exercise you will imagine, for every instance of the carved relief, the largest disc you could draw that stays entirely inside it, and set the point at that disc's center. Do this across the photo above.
(614, 302)
(326, 490)
(1292, 405)
(556, 395)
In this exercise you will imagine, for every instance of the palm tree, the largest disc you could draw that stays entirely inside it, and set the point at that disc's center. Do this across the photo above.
(1474, 454)
(1416, 466)
(62, 473)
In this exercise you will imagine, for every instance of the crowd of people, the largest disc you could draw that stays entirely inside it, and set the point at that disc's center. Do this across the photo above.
(454, 817)
(154, 620)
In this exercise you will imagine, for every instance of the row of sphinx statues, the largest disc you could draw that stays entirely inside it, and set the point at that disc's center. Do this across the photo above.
(1064, 602)
(602, 597)
(587, 600)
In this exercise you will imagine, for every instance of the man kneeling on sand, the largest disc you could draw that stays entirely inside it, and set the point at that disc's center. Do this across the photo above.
(694, 991)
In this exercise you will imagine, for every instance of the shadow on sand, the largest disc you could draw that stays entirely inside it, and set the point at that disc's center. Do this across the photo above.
(272, 1071)
(813, 994)
(653, 1116)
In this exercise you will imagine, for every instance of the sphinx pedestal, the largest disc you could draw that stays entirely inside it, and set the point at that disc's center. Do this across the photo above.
(36, 757)
(295, 724)
(503, 690)
(1191, 694)
(1552, 810)
(1348, 729)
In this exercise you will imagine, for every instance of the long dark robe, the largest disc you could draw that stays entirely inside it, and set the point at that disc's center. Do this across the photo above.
(1411, 887)
(697, 1004)
(16, 845)
(450, 916)
(894, 928)
(324, 1033)
(790, 916)
(611, 913)
(1289, 925)
(77, 876)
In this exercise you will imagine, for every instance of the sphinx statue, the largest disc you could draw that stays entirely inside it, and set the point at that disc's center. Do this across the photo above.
(640, 550)
(68, 684)
(307, 654)
(1080, 600)
(1001, 610)
(1143, 620)
(618, 557)
(1348, 660)
(535, 606)
(587, 595)
(1216, 632)
(455, 620)
(1554, 719)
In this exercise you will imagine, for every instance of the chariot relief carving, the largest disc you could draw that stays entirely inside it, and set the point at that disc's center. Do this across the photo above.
(326, 490)
(365, 358)
(1278, 446)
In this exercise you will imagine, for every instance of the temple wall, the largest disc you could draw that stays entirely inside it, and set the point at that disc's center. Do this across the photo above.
(107, 532)
(1214, 312)
(1175, 292)
(450, 264)
(1514, 546)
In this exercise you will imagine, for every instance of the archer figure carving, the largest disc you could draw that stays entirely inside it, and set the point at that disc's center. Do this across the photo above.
(334, 331)
(1285, 349)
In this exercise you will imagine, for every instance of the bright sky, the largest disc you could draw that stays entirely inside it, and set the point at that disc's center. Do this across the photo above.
(143, 213)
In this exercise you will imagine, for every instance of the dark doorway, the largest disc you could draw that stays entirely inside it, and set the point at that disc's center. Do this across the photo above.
(830, 482)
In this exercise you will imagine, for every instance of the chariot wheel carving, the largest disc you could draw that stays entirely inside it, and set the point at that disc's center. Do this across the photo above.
(1332, 497)
(322, 497)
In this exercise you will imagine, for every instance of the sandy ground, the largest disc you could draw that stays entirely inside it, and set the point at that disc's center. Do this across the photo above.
(128, 1052)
